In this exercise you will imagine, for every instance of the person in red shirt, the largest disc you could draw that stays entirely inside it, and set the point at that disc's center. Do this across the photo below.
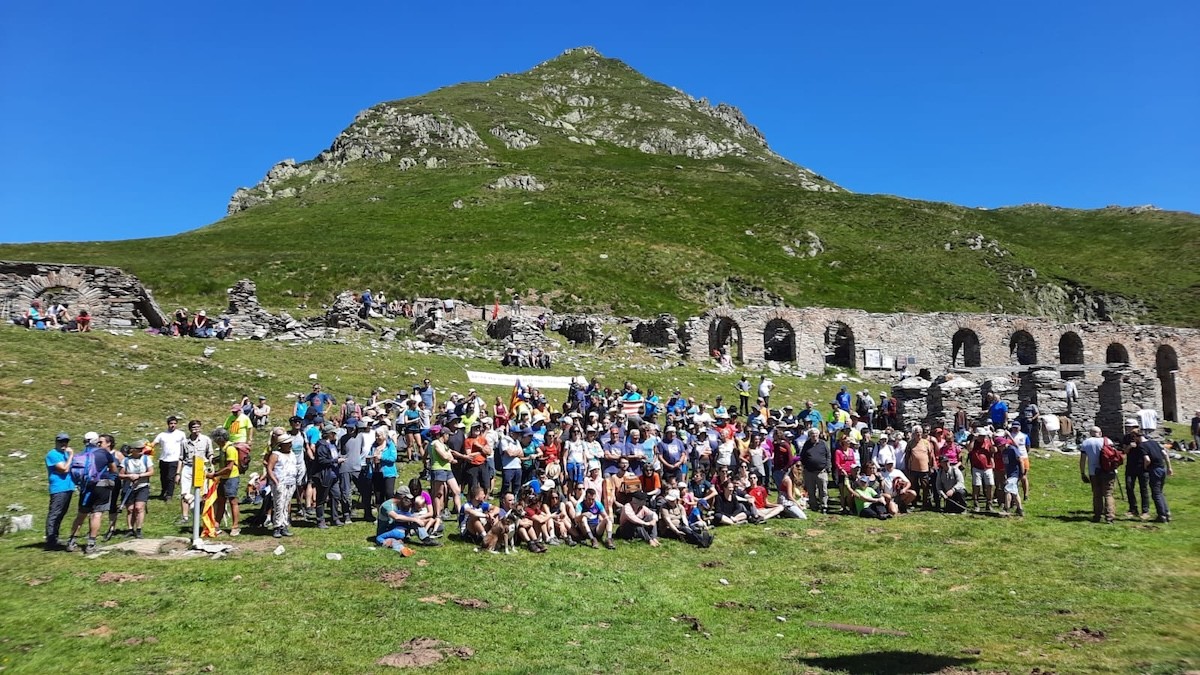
(981, 455)
(1000, 444)
(758, 492)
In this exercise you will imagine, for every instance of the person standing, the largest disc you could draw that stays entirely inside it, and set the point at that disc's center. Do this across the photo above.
(743, 390)
(815, 462)
(96, 494)
(58, 473)
(1137, 480)
(1101, 479)
(1196, 431)
(1157, 465)
(195, 444)
(353, 448)
(325, 475)
(281, 472)
(228, 477)
(765, 385)
(238, 425)
(170, 451)
(136, 470)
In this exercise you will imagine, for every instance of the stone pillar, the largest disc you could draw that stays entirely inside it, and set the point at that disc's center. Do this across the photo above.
(912, 395)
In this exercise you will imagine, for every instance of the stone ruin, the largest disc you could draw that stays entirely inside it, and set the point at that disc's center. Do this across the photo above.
(579, 329)
(519, 330)
(114, 298)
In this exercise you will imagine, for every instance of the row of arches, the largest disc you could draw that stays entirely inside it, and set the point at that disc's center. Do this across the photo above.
(779, 344)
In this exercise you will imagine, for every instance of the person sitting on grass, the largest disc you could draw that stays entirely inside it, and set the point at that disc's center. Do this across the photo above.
(729, 508)
(897, 488)
(949, 491)
(638, 521)
(763, 508)
(400, 518)
(475, 518)
(560, 513)
(592, 522)
(534, 526)
(869, 502)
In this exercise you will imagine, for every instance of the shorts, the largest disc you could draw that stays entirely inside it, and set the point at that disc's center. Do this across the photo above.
(1010, 485)
(443, 475)
(141, 494)
(228, 489)
(575, 472)
(982, 477)
(96, 500)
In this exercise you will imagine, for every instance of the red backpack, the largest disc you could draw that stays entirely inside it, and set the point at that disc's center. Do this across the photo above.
(1110, 458)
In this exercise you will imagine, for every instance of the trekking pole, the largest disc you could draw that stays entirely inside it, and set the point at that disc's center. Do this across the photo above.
(112, 526)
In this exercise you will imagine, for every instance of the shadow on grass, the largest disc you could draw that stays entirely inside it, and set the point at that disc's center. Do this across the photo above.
(886, 663)
(1073, 517)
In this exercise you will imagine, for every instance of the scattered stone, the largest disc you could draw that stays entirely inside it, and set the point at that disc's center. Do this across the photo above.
(333, 556)
(120, 578)
(421, 652)
(723, 582)
(279, 550)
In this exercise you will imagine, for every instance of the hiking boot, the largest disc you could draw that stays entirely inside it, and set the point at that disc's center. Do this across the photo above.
(137, 534)
(90, 548)
(287, 531)
(430, 541)
(608, 544)
(235, 532)
(321, 525)
(72, 546)
(277, 533)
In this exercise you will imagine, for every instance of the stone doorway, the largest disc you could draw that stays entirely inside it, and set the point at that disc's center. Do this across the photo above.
(1070, 351)
(724, 334)
(839, 345)
(1116, 353)
(965, 346)
(1023, 348)
(1166, 365)
(779, 341)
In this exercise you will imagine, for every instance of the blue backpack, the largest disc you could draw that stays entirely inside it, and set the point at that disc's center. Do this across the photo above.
(83, 470)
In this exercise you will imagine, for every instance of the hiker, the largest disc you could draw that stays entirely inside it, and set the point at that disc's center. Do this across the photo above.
(1137, 481)
(1157, 465)
(815, 460)
(949, 491)
(194, 445)
(238, 424)
(62, 487)
(400, 518)
(260, 414)
(228, 475)
(324, 475)
(136, 470)
(281, 473)
(96, 481)
(1101, 476)
(982, 464)
(170, 451)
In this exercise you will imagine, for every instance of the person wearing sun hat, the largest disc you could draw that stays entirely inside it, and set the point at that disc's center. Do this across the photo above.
(282, 472)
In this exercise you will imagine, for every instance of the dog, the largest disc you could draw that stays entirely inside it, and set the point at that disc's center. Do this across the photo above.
(503, 532)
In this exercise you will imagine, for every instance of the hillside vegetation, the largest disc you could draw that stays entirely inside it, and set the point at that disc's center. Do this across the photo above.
(641, 200)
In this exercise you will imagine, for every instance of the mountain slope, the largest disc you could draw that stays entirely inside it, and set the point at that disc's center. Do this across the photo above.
(584, 185)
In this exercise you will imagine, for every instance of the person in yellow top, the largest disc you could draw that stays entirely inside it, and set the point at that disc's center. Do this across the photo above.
(239, 426)
(226, 457)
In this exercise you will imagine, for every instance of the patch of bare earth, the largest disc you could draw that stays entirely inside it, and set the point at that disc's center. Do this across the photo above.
(120, 578)
(101, 631)
(1081, 635)
(424, 651)
(394, 578)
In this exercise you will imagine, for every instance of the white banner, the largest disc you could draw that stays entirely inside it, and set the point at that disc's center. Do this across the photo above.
(539, 381)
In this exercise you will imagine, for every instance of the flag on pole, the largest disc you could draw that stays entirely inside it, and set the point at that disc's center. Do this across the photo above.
(496, 310)
(208, 516)
(515, 397)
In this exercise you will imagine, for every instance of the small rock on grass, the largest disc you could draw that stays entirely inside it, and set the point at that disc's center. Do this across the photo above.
(333, 556)
(279, 550)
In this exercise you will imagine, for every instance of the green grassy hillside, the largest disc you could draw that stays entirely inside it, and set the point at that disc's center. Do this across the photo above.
(620, 228)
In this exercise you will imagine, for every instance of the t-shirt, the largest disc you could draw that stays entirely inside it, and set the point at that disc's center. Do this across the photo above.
(231, 455)
(59, 482)
(860, 493)
(383, 517)
(759, 493)
(593, 512)
(171, 443)
(998, 413)
(1091, 448)
(238, 426)
(133, 465)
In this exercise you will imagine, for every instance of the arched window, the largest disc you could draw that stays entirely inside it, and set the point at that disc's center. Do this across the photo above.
(964, 347)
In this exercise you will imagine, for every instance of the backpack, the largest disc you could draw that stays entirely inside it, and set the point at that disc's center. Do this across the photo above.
(1110, 458)
(83, 470)
(243, 450)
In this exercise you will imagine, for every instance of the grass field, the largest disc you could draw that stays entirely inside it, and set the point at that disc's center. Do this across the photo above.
(971, 592)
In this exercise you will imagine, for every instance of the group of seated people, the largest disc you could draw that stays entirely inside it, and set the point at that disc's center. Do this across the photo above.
(56, 317)
(197, 325)
(520, 357)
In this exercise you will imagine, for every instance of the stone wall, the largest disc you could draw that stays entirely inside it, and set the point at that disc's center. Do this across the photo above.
(977, 345)
(114, 298)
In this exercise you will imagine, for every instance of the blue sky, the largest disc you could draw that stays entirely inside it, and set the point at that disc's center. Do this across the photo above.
(140, 119)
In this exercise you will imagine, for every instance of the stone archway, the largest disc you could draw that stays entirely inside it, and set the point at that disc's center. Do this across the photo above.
(1070, 351)
(839, 345)
(779, 341)
(725, 333)
(965, 344)
(1023, 348)
(64, 287)
(1166, 365)
(1116, 353)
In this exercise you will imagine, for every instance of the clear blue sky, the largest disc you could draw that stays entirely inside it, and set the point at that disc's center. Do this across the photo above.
(131, 119)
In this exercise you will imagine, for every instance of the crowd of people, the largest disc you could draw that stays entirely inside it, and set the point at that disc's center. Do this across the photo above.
(605, 464)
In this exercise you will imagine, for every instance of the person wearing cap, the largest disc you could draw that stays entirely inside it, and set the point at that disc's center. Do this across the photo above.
(401, 518)
(96, 492)
(1100, 480)
(1021, 440)
(442, 482)
(170, 451)
(62, 487)
(200, 326)
(949, 488)
(1137, 482)
(765, 385)
(671, 454)
(815, 461)
(743, 391)
(982, 456)
(637, 521)
(324, 477)
(409, 420)
(281, 473)
(673, 518)
(136, 470)
(195, 444)
(238, 425)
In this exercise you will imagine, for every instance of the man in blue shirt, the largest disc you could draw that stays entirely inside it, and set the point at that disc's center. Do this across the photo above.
(997, 411)
(58, 470)
(843, 399)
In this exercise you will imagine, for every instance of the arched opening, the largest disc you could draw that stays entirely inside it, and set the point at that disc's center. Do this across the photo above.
(1166, 363)
(1070, 351)
(839, 345)
(965, 345)
(779, 341)
(1116, 353)
(724, 335)
(1023, 348)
